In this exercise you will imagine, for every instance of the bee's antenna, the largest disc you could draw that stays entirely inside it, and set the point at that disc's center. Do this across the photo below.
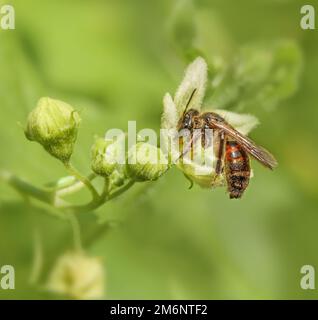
(187, 106)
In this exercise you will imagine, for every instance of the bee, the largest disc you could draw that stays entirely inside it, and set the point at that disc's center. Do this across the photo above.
(233, 148)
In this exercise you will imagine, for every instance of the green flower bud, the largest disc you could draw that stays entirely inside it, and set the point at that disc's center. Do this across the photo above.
(145, 162)
(118, 176)
(103, 157)
(54, 125)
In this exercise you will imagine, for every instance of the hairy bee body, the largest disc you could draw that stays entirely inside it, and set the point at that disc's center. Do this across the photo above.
(237, 169)
(232, 148)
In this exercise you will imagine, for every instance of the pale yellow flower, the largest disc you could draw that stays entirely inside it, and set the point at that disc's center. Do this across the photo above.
(78, 276)
(173, 108)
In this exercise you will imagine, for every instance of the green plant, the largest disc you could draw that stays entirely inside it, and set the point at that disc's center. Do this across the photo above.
(256, 76)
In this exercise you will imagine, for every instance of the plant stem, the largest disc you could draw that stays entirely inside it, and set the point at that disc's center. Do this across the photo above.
(76, 186)
(83, 179)
(27, 189)
(37, 258)
(53, 197)
(106, 189)
(76, 232)
(100, 201)
(67, 182)
(118, 192)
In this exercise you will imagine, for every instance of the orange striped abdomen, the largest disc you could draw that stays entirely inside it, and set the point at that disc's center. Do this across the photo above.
(237, 169)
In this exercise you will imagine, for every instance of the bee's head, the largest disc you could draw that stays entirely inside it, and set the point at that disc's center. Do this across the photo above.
(188, 119)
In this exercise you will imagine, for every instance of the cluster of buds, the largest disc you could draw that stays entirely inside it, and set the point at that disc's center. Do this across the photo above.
(54, 124)
(142, 162)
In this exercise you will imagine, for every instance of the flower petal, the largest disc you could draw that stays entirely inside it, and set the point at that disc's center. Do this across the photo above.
(195, 78)
(169, 118)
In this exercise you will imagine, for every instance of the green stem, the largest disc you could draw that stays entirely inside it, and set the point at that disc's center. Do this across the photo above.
(27, 189)
(37, 258)
(76, 232)
(100, 201)
(106, 189)
(53, 198)
(83, 179)
(118, 192)
(72, 188)
(65, 183)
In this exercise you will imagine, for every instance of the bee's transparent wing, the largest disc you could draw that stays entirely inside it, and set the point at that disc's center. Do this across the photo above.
(259, 153)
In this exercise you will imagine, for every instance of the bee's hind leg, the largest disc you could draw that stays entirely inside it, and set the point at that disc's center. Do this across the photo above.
(219, 161)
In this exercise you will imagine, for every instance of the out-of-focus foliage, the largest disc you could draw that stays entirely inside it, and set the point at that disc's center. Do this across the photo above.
(114, 60)
(258, 77)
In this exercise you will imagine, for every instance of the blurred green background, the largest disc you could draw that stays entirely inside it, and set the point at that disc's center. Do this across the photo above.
(114, 60)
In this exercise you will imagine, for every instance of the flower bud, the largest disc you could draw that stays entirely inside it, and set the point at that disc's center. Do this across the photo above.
(54, 125)
(103, 157)
(118, 176)
(77, 276)
(146, 162)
